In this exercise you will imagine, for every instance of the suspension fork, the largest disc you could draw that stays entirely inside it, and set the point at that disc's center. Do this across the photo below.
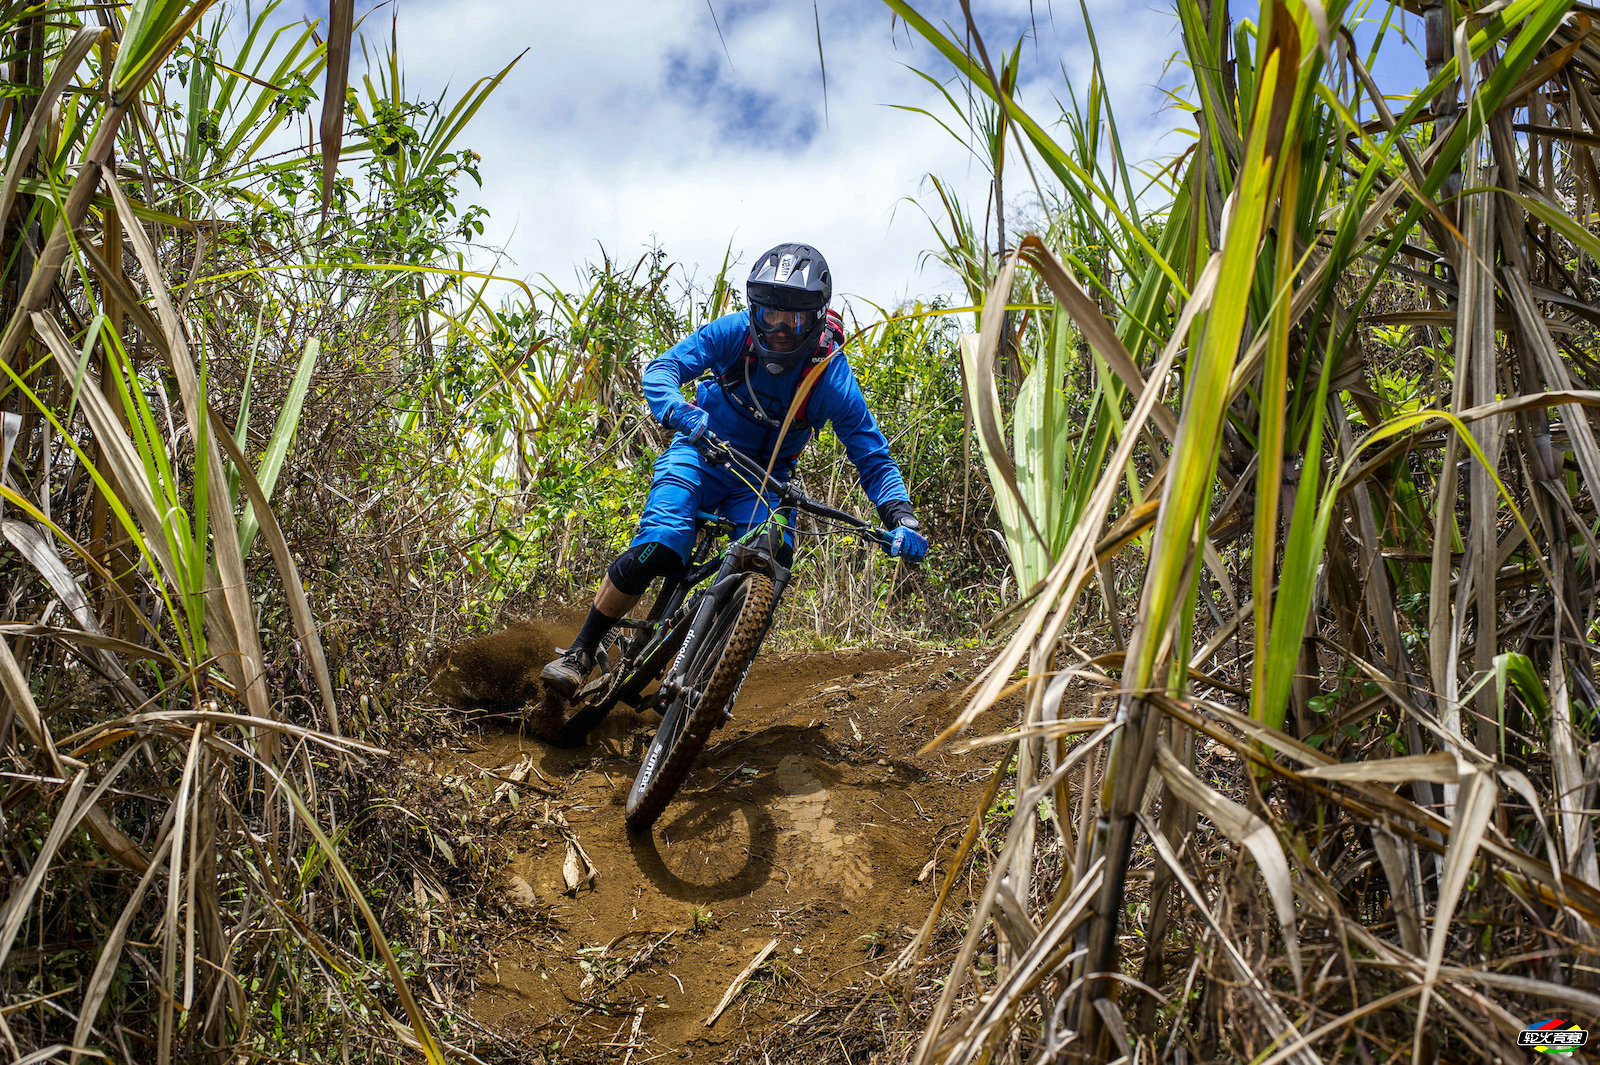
(778, 585)
(741, 558)
(727, 577)
(780, 580)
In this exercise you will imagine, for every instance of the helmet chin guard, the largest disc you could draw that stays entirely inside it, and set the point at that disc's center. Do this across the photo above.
(788, 290)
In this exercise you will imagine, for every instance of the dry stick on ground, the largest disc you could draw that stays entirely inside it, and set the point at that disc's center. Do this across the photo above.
(739, 981)
(633, 1036)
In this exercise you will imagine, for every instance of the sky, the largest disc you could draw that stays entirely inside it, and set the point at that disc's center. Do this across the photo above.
(633, 123)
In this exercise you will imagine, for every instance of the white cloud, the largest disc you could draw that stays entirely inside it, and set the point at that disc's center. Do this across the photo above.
(625, 123)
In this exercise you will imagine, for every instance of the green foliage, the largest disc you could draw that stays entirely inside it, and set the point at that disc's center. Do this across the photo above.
(152, 29)
(282, 438)
(1036, 518)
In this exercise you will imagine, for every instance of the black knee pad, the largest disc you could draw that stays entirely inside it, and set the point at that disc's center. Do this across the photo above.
(786, 555)
(640, 564)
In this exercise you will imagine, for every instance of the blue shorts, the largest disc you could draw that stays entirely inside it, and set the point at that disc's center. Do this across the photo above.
(683, 486)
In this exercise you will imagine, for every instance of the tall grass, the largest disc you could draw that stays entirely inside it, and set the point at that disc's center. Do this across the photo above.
(142, 652)
(1368, 508)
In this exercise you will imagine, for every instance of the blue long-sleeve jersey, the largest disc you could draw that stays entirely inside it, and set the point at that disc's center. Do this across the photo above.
(718, 348)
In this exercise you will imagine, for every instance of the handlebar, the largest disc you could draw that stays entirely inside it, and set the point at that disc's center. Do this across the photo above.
(719, 451)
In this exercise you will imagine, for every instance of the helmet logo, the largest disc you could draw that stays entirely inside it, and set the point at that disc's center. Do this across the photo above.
(785, 268)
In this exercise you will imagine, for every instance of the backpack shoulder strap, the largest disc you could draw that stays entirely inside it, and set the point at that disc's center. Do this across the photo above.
(733, 373)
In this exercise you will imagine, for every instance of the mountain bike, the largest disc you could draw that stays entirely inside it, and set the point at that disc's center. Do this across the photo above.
(699, 639)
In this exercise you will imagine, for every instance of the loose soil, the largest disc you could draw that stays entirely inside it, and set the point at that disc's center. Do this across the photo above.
(811, 820)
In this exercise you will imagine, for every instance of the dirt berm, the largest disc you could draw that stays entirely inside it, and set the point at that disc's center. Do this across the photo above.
(811, 824)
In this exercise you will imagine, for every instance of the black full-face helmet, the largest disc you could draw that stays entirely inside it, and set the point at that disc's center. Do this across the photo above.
(789, 289)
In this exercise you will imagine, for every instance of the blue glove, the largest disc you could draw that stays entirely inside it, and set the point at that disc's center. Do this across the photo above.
(691, 421)
(905, 542)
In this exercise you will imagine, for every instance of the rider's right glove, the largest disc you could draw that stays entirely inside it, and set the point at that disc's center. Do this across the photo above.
(689, 420)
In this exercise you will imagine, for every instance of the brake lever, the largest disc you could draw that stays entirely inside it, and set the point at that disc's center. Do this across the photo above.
(721, 453)
(715, 449)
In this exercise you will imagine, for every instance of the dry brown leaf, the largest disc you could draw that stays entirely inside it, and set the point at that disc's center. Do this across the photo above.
(1440, 768)
(575, 872)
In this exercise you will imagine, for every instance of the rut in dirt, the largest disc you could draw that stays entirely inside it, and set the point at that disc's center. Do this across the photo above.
(810, 835)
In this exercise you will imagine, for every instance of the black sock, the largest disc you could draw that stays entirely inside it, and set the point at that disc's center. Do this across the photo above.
(595, 627)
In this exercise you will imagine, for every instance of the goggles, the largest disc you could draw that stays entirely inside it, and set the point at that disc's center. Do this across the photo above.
(773, 320)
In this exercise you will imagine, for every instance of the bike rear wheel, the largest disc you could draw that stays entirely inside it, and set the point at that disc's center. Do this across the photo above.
(718, 666)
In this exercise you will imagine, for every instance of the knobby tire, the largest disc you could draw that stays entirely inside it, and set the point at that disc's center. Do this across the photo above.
(723, 667)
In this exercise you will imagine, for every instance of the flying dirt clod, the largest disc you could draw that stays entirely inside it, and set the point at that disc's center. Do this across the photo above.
(496, 674)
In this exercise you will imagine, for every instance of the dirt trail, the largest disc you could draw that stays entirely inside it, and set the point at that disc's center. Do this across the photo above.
(811, 820)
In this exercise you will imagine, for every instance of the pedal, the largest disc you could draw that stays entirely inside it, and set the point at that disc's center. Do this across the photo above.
(583, 721)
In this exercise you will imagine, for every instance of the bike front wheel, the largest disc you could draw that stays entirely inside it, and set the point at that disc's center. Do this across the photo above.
(718, 666)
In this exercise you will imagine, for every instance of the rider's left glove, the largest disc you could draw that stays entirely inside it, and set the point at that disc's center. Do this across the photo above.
(904, 539)
(691, 421)
(907, 543)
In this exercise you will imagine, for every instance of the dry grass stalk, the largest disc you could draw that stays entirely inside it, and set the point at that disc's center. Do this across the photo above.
(1392, 722)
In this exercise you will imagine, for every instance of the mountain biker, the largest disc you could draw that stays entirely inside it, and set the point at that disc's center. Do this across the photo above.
(753, 363)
